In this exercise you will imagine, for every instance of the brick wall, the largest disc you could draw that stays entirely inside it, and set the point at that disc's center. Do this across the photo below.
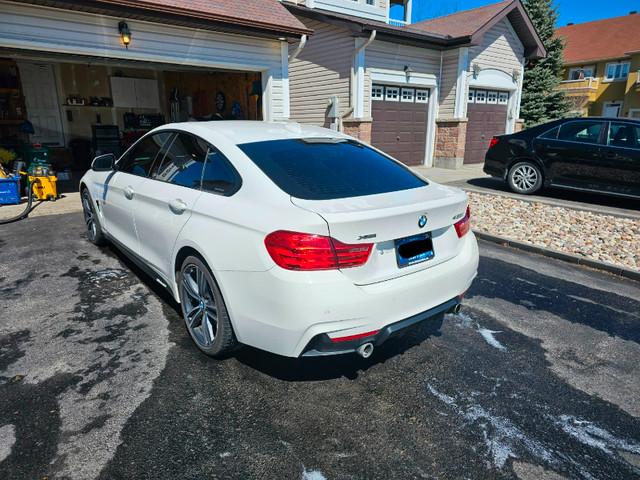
(358, 128)
(451, 136)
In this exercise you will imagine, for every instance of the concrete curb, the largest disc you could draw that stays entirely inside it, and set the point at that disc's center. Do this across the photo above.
(567, 257)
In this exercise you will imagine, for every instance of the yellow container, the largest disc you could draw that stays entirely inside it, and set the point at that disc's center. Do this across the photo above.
(45, 188)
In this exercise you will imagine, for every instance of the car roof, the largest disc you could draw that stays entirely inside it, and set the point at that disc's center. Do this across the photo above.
(243, 131)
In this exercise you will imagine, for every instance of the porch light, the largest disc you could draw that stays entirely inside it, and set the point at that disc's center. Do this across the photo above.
(125, 34)
(476, 69)
(515, 74)
(408, 71)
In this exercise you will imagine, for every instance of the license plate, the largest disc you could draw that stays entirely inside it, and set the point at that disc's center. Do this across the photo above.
(412, 250)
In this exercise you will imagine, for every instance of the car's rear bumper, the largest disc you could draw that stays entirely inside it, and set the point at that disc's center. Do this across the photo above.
(283, 311)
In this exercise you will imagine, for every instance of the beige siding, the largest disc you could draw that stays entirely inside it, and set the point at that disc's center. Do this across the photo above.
(391, 56)
(321, 70)
(500, 49)
(448, 84)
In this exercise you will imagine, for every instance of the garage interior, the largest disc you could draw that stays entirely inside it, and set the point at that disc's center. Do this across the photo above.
(101, 106)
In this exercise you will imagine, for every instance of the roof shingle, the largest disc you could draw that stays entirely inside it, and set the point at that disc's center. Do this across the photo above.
(601, 39)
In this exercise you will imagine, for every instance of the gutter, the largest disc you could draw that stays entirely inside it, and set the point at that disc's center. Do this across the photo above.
(352, 89)
(303, 42)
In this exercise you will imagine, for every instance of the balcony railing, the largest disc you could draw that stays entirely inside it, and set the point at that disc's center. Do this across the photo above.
(397, 23)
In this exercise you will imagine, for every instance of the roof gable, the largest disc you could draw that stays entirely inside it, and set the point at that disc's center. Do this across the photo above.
(474, 23)
(601, 39)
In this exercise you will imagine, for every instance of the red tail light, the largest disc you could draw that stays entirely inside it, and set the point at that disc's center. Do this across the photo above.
(462, 227)
(493, 141)
(303, 251)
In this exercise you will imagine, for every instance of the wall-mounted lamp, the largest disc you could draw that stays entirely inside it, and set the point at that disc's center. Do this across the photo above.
(476, 69)
(515, 74)
(125, 34)
(408, 71)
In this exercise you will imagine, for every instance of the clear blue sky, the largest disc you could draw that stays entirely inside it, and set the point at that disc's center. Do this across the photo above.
(570, 11)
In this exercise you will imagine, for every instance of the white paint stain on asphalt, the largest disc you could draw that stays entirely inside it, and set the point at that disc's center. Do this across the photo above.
(7, 440)
(588, 433)
(504, 439)
(490, 339)
(465, 321)
(312, 475)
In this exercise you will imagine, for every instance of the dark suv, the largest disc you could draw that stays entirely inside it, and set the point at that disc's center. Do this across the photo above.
(591, 154)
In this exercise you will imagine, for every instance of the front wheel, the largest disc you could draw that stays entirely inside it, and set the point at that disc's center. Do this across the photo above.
(204, 310)
(94, 230)
(525, 178)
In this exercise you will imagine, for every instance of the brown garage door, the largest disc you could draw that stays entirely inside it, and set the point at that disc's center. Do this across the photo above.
(400, 122)
(487, 114)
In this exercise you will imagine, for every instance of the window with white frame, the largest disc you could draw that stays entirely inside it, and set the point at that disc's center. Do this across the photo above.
(377, 92)
(481, 96)
(392, 94)
(503, 98)
(422, 96)
(616, 71)
(472, 96)
(407, 95)
(492, 97)
(582, 72)
(370, 2)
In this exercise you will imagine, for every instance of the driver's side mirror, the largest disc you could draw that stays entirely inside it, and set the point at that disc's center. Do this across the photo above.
(104, 163)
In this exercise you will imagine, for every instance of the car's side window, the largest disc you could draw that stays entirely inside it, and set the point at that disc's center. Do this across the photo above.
(183, 162)
(580, 131)
(553, 133)
(623, 135)
(139, 159)
(219, 176)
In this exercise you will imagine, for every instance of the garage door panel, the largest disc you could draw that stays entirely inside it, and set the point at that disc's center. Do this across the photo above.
(399, 129)
(484, 121)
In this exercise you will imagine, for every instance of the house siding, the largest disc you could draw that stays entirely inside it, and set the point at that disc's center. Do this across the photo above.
(500, 49)
(391, 56)
(321, 70)
(448, 84)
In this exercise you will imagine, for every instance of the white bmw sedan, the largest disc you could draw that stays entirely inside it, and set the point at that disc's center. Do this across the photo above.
(294, 239)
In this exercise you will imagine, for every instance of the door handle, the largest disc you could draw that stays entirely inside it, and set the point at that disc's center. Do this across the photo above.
(177, 205)
(128, 192)
(397, 138)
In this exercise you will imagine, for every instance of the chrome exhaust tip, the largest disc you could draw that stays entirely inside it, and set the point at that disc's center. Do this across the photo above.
(456, 309)
(365, 350)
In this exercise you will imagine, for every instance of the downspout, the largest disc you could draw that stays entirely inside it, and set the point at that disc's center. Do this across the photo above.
(440, 76)
(303, 42)
(352, 92)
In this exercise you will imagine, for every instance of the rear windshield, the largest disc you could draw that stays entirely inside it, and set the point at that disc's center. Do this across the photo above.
(324, 169)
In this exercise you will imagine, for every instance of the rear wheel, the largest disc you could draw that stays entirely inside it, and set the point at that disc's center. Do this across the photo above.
(204, 310)
(525, 177)
(94, 230)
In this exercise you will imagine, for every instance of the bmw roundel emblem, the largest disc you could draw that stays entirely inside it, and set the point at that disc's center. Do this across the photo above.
(423, 221)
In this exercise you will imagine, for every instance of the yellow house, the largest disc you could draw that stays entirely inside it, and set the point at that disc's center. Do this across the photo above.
(602, 66)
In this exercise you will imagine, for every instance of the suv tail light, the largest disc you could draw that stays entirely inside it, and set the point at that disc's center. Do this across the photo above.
(493, 141)
(462, 227)
(304, 251)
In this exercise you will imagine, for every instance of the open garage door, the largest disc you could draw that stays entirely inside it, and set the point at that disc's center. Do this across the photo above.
(487, 114)
(399, 125)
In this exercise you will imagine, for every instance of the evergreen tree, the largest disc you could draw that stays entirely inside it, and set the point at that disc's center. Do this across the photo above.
(540, 102)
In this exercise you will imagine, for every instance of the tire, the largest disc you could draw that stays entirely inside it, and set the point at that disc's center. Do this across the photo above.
(203, 309)
(94, 230)
(525, 178)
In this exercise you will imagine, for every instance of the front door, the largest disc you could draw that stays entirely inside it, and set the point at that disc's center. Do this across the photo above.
(611, 109)
(43, 106)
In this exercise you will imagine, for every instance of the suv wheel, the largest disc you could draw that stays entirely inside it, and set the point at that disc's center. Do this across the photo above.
(525, 178)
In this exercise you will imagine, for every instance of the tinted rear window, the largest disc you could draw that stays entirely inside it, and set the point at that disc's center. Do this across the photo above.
(323, 170)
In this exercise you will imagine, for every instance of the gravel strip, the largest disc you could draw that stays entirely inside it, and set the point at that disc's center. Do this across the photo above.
(603, 238)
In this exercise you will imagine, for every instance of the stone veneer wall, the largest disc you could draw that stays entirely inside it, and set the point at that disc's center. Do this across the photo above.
(451, 135)
(361, 129)
(518, 126)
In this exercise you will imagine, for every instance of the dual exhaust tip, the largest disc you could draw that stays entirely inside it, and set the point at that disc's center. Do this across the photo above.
(366, 349)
